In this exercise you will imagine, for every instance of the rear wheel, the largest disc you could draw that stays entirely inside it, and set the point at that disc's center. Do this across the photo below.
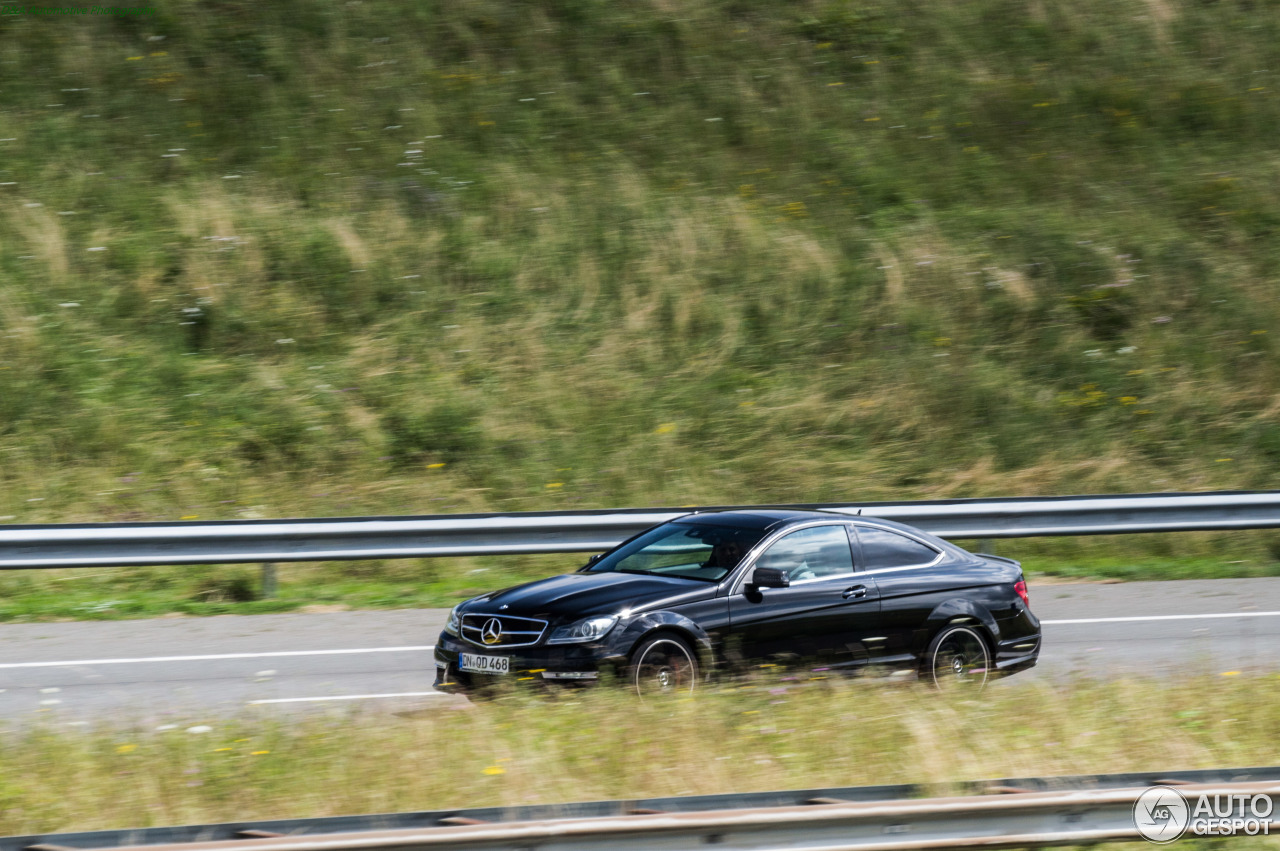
(957, 658)
(663, 665)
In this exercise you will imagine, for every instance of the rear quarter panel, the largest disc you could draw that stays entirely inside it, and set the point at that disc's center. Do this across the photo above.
(916, 603)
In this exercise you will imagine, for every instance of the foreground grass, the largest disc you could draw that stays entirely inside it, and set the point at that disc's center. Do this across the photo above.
(597, 744)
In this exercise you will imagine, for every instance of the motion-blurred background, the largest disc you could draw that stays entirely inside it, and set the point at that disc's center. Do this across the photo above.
(320, 258)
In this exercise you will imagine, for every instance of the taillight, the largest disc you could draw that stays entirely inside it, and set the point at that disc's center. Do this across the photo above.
(1020, 588)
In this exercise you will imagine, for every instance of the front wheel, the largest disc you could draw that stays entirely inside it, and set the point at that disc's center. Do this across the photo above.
(663, 665)
(957, 658)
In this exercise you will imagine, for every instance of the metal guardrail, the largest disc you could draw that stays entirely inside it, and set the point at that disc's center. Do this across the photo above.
(1024, 812)
(226, 542)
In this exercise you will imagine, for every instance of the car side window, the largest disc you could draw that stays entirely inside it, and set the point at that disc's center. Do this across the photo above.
(813, 553)
(882, 548)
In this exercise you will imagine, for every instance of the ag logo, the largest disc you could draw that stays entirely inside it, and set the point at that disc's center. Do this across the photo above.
(1161, 814)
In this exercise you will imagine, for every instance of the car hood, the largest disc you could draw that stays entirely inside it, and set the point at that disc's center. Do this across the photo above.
(579, 595)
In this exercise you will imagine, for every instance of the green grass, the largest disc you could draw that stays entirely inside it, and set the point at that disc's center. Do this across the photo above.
(600, 744)
(1119, 569)
(442, 257)
(122, 593)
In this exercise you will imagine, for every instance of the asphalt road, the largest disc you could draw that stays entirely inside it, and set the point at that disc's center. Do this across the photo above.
(188, 671)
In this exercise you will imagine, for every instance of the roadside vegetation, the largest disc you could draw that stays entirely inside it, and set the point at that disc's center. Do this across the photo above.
(314, 258)
(122, 593)
(601, 744)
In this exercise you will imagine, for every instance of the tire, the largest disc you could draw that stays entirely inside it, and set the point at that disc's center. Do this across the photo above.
(663, 664)
(958, 658)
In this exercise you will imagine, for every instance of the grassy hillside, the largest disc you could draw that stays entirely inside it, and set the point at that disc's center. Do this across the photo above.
(312, 258)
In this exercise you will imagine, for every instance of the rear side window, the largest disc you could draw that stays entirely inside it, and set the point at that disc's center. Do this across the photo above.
(882, 548)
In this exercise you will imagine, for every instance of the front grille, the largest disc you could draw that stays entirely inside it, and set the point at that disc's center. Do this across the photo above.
(511, 631)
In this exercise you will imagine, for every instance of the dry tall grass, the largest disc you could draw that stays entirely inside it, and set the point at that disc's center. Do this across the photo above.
(599, 744)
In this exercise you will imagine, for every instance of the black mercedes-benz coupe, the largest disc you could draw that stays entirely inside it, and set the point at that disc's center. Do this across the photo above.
(729, 590)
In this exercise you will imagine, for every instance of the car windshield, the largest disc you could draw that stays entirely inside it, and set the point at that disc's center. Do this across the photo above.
(687, 550)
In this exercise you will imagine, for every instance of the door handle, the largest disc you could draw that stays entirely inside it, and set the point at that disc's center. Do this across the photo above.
(854, 592)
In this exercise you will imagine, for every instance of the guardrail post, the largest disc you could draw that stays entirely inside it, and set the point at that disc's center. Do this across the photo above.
(268, 580)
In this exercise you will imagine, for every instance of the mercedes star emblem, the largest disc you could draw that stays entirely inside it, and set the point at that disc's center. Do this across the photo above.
(492, 631)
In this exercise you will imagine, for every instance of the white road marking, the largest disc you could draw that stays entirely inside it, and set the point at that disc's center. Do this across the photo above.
(429, 647)
(1164, 618)
(347, 697)
(210, 657)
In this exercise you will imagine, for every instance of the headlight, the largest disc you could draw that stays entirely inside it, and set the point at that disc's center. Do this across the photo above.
(587, 629)
(454, 623)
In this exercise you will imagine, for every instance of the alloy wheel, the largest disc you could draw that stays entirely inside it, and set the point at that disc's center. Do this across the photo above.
(960, 659)
(664, 666)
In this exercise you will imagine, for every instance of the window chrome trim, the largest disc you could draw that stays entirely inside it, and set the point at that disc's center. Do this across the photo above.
(748, 563)
(822, 579)
(880, 570)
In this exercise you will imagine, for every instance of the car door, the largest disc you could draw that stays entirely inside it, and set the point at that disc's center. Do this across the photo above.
(821, 618)
(913, 578)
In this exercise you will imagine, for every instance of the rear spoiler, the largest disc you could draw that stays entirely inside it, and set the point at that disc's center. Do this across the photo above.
(990, 557)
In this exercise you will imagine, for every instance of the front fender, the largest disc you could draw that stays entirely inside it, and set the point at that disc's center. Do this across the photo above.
(624, 640)
(956, 609)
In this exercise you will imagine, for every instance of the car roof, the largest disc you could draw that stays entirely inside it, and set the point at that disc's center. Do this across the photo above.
(759, 518)
(768, 519)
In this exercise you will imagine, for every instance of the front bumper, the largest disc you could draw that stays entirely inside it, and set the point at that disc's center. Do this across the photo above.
(541, 663)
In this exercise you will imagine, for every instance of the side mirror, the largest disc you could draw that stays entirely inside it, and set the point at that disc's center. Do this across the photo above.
(769, 577)
(595, 558)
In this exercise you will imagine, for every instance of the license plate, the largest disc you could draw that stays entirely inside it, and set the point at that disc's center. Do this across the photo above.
(477, 664)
